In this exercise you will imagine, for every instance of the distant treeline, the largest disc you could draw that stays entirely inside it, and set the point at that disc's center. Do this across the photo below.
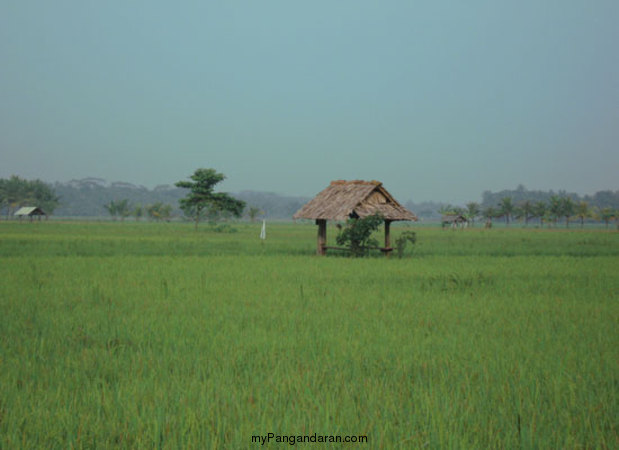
(93, 197)
(601, 199)
(547, 207)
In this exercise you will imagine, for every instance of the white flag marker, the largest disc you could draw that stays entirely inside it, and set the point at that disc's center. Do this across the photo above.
(263, 232)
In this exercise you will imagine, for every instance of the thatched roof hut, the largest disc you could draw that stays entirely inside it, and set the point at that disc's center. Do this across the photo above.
(453, 220)
(343, 200)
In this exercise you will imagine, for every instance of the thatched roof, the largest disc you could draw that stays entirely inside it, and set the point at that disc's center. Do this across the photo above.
(344, 199)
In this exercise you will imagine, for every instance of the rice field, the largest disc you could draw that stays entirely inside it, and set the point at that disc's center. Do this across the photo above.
(144, 335)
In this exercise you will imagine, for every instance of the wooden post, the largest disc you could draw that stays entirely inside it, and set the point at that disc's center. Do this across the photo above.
(322, 236)
(387, 235)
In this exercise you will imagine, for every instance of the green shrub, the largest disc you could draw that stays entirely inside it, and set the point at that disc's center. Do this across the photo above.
(403, 240)
(357, 234)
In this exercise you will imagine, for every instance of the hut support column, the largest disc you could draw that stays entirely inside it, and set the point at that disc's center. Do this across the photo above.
(387, 235)
(322, 236)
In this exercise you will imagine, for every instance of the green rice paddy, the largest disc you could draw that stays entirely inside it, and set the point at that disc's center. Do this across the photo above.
(144, 335)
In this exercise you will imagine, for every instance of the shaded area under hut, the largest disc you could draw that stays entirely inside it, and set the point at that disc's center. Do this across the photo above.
(343, 200)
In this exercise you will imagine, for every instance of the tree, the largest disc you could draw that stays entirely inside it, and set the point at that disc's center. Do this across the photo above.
(159, 211)
(506, 208)
(607, 214)
(526, 210)
(14, 193)
(118, 208)
(555, 208)
(202, 198)
(138, 212)
(567, 209)
(539, 210)
(253, 212)
(582, 211)
(489, 213)
(123, 209)
(111, 208)
(473, 211)
(42, 195)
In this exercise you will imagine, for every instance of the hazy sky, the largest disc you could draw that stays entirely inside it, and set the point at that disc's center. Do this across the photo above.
(440, 100)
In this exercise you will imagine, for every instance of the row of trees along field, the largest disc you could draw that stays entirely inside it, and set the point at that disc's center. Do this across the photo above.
(121, 209)
(541, 207)
(93, 197)
(16, 192)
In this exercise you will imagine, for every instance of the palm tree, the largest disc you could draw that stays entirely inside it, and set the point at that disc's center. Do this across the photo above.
(567, 209)
(506, 208)
(526, 208)
(473, 210)
(111, 208)
(122, 209)
(489, 213)
(555, 208)
(539, 210)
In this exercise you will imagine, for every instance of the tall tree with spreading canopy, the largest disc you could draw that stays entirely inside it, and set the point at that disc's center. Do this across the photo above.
(202, 197)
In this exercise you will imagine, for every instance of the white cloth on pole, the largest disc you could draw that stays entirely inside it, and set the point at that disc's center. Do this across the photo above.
(263, 232)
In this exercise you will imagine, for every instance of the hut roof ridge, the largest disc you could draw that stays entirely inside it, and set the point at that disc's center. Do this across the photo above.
(360, 182)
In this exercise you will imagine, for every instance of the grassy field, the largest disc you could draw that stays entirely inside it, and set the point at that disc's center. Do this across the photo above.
(140, 335)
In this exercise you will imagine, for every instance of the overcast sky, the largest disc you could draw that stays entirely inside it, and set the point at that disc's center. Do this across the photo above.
(440, 100)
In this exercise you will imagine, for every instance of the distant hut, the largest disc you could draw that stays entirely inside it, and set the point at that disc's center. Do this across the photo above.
(454, 220)
(31, 212)
(343, 200)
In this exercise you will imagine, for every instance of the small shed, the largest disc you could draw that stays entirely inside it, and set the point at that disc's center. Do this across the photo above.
(343, 200)
(31, 212)
(453, 220)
